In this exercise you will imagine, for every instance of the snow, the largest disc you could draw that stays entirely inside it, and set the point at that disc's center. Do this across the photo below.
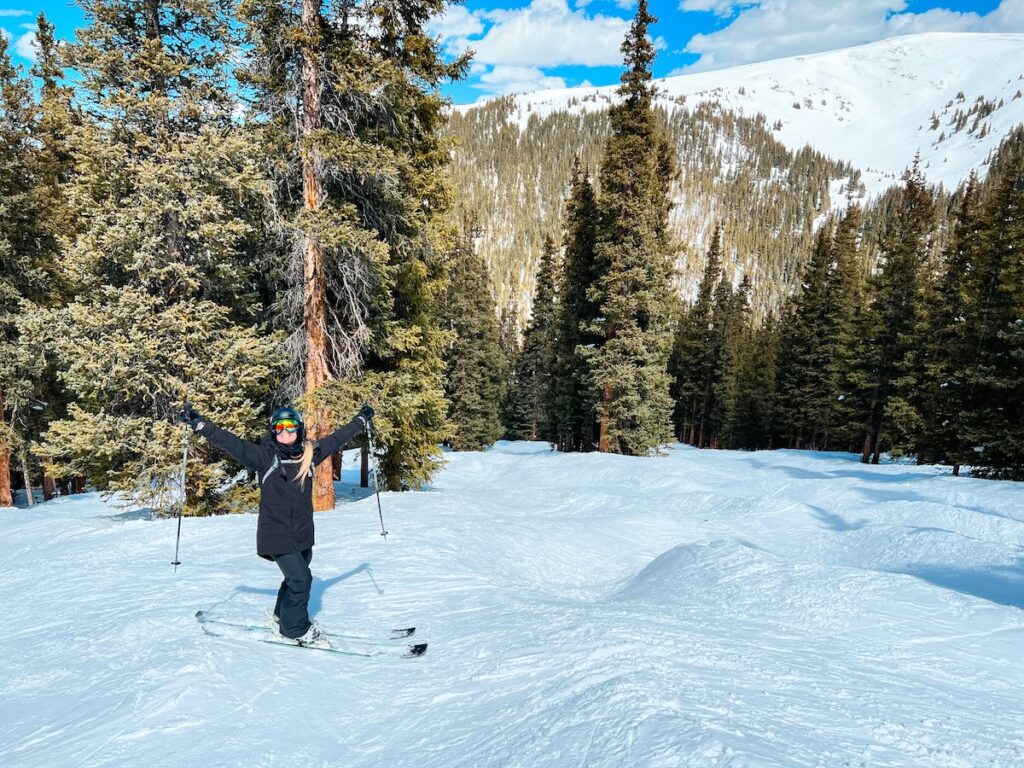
(708, 608)
(870, 105)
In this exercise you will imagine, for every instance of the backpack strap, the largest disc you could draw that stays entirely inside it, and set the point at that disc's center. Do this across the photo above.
(273, 466)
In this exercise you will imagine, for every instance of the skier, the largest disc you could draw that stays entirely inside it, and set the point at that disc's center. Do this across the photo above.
(284, 462)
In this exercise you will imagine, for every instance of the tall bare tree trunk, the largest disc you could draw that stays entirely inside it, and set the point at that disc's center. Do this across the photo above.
(6, 500)
(602, 440)
(29, 499)
(314, 298)
(692, 440)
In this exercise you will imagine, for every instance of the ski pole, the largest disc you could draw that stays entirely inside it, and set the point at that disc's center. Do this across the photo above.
(376, 484)
(184, 463)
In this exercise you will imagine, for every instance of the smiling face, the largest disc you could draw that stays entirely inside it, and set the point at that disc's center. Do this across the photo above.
(287, 438)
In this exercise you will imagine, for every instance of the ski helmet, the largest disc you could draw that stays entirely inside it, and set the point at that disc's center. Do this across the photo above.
(288, 414)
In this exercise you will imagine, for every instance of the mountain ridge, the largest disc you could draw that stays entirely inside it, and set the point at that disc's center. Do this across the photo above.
(934, 68)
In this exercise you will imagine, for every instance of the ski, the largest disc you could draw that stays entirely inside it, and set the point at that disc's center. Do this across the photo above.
(397, 633)
(336, 643)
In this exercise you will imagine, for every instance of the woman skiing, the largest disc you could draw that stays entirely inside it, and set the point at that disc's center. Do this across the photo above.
(284, 462)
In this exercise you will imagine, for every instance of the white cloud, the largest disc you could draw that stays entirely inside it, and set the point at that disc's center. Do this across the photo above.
(510, 79)
(718, 7)
(935, 20)
(546, 33)
(10, 12)
(26, 46)
(771, 29)
(1008, 17)
(456, 22)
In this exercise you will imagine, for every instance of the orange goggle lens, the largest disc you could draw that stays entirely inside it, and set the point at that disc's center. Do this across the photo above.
(285, 426)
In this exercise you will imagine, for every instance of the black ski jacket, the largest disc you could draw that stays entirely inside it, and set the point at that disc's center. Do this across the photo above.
(286, 510)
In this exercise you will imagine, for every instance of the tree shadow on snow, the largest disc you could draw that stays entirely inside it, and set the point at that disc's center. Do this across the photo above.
(1001, 584)
(882, 477)
(837, 522)
(867, 472)
(881, 496)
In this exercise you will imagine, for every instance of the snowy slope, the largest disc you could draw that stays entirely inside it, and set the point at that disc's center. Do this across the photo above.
(870, 105)
(704, 609)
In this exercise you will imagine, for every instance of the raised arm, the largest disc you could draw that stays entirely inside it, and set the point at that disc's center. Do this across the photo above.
(246, 453)
(339, 438)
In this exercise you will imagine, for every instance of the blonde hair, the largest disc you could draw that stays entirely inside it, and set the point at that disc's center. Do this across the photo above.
(304, 463)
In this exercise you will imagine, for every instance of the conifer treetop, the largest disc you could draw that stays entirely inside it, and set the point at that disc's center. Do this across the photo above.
(639, 55)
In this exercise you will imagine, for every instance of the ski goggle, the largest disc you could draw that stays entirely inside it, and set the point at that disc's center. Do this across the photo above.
(285, 426)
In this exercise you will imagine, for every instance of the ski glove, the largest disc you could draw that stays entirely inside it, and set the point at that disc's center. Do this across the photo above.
(188, 415)
(365, 413)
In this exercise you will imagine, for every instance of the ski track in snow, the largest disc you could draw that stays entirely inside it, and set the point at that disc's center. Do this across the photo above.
(707, 608)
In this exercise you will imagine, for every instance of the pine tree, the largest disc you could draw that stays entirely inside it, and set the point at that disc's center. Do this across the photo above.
(849, 411)
(633, 252)
(895, 311)
(508, 408)
(163, 185)
(692, 361)
(361, 200)
(735, 326)
(474, 365)
(993, 422)
(750, 427)
(573, 406)
(946, 347)
(532, 418)
(806, 385)
(22, 277)
(56, 119)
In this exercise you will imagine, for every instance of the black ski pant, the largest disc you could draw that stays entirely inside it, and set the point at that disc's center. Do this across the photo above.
(293, 596)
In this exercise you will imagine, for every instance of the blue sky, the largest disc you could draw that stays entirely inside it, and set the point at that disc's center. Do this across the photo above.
(564, 43)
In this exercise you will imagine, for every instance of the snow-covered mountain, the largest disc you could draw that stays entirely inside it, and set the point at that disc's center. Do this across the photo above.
(763, 149)
(710, 608)
(871, 105)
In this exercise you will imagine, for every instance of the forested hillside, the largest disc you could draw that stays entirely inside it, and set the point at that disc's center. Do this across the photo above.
(732, 170)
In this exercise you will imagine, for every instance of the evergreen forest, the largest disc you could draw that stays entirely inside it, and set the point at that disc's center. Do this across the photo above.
(247, 204)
